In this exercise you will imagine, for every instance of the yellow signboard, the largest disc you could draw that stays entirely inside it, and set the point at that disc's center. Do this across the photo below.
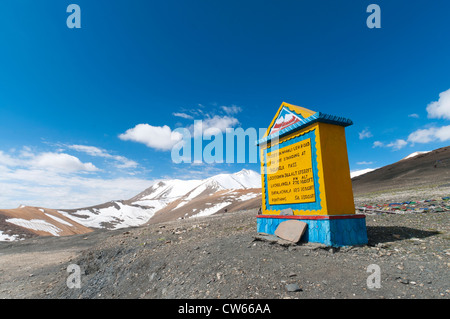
(304, 164)
(290, 177)
(305, 176)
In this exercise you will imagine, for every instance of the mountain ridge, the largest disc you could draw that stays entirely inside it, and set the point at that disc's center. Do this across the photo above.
(169, 197)
(425, 168)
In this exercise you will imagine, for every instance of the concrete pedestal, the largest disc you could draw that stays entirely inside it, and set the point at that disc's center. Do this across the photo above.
(335, 231)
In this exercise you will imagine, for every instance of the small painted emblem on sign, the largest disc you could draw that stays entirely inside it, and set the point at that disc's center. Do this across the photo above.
(285, 119)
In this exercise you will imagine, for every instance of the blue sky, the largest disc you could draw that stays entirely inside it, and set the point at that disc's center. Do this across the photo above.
(68, 97)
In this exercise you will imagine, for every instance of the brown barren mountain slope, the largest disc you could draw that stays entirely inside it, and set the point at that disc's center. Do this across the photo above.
(423, 170)
(27, 221)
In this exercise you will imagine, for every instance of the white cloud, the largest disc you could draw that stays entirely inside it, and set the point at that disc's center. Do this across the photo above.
(214, 125)
(422, 136)
(220, 122)
(91, 150)
(7, 160)
(430, 135)
(440, 108)
(437, 109)
(58, 180)
(397, 144)
(231, 110)
(26, 152)
(365, 134)
(364, 163)
(123, 162)
(38, 187)
(183, 115)
(157, 137)
(61, 162)
(377, 144)
(443, 133)
(48, 161)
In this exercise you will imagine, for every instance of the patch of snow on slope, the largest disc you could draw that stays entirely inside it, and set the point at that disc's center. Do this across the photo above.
(240, 180)
(59, 220)
(181, 204)
(361, 172)
(125, 216)
(197, 191)
(415, 154)
(94, 220)
(171, 189)
(131, 215)
(35, 224)
(155, 204)
(247, 196)
(248, 178)
(6, 237)
(225, 181)
(211, 210)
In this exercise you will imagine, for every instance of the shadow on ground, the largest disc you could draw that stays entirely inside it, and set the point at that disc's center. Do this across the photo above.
(382, 234)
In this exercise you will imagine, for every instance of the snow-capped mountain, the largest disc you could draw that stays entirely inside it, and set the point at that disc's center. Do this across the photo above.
(206, 197)
(361, 172)
(165, 200)
(368, 170)
(240, 180)
(170, 190)
(415, 154)
(168, 196)
(419, 169)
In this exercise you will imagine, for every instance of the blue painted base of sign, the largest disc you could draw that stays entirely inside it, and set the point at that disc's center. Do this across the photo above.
(335, 231)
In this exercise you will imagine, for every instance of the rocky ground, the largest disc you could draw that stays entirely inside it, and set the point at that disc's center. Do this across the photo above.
(219, 257)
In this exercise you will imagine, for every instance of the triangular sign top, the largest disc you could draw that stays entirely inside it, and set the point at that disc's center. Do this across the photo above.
(287, 115)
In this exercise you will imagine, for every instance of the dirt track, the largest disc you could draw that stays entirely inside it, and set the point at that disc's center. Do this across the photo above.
(218, 257)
